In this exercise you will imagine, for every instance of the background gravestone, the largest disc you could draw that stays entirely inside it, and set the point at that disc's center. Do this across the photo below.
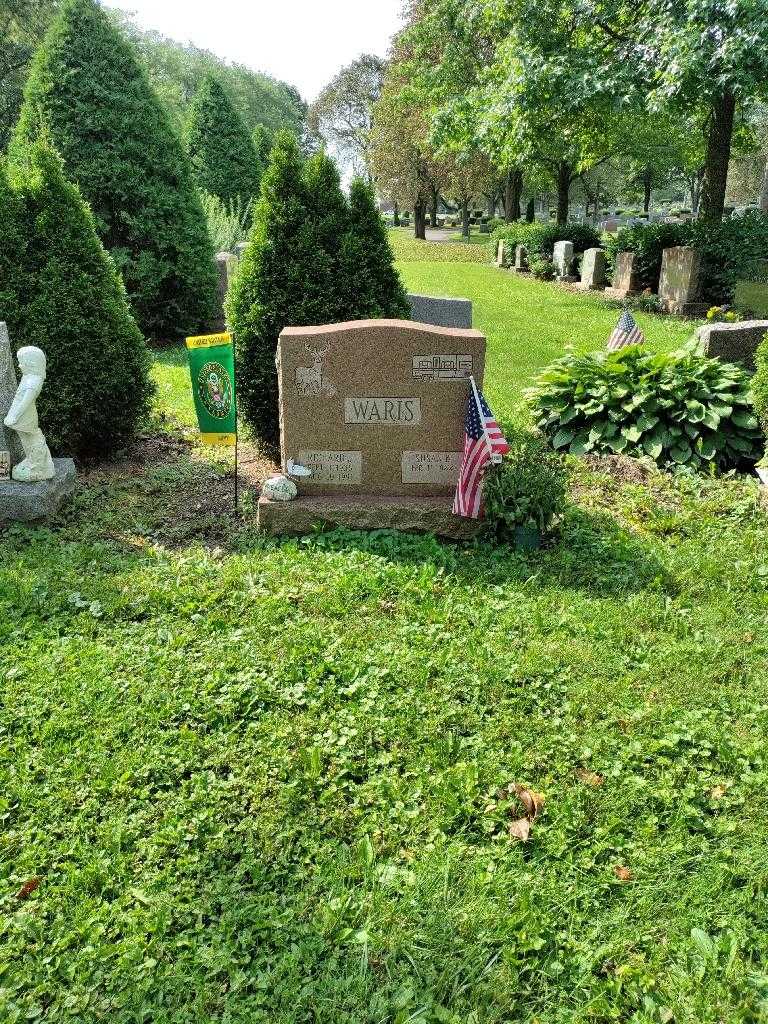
(562, 257)
(679, 281)
(11, 451)
(733, 343)
(441, 312)
(521, 258)
(624, 277)
(593, 269)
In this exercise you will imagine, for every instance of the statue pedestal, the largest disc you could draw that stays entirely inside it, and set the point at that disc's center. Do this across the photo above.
(40, 500)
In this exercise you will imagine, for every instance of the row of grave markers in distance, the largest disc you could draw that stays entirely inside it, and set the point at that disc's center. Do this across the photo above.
(678, 285)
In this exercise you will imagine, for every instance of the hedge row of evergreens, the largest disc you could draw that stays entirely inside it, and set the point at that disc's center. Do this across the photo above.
(313, 257)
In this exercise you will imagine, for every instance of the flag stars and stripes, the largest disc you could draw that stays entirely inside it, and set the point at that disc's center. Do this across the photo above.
(484, 442)
(625, 333)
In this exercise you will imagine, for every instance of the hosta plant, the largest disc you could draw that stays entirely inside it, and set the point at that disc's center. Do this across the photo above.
(680, 408)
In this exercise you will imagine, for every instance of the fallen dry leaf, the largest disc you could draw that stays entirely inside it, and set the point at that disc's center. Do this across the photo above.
(718, 792)
(28, 888)
(623, 874)
(520, 829)
(590, 778)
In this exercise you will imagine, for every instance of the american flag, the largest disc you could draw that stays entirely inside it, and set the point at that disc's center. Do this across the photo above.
(625, 333)
(483, 443)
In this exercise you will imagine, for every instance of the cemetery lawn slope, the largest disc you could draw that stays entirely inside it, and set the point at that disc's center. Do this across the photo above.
(527, 322)
(254, 781)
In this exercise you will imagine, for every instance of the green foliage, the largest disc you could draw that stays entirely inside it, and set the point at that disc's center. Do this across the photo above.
(13, 250)
(72, 304)
(527, 489)
(88, 96)
(539, 239)
(647, 242)
(678, 408)
(377, 290)
(224, 160)
(311, 259)
(542, 268)
(227, 222)
(263, 140)
(760, 384)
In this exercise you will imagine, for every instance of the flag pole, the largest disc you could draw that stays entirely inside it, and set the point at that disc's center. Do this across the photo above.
(234, 391)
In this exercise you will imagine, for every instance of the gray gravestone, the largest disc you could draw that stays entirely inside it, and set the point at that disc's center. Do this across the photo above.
(679, 281)
(501, 253)
(39, 500)
(624, 279)
(11, 451)
(521, 258)
(226, 264)
(593, 269)
(440, 312)
(733, 343)
(562, 257)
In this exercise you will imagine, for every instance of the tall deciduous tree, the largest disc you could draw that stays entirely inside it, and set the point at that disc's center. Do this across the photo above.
(224, 160)
(89, 97)
(342, 114)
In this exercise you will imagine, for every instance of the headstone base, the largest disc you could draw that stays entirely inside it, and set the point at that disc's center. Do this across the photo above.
(617, 293)
(27, 502)
(365, 512)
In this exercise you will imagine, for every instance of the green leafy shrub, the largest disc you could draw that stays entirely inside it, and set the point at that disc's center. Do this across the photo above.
(722, 314)
(12, 250)
(647, 242)
(539, 239)
(541, 268)
(88, 97)
(227, 222)
(527, 489)
(377, 288)
(678, 408)
(224, 160)
(760, 384)
(73, 306)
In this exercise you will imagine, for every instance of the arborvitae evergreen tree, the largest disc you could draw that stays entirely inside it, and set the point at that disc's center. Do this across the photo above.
(273, 287)
(377, 290)
(12, 251)
(224, 159)
(88, 96)
(73, 305)
(263, 140)
(329, 217)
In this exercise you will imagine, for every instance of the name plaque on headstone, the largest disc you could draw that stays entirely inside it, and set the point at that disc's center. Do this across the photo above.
(376, 407)
(400, 411)
(333, 467)
(431, 468)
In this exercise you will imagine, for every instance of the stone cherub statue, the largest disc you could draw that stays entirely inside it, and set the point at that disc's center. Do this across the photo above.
(22, 418)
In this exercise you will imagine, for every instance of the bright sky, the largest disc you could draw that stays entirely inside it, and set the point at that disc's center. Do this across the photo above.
(302, 42)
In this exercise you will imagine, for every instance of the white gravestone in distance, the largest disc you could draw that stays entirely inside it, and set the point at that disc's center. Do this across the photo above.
(562, 257)
(22, 418)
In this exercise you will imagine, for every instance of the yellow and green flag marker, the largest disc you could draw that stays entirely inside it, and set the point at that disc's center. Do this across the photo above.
(212, 368)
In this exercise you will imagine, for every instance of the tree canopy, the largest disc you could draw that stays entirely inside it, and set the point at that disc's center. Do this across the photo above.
(343, 112)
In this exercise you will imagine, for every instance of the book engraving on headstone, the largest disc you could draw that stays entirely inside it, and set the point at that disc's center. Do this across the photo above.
(400, 412)
(333, 467)
(430, 467)
(442, 367)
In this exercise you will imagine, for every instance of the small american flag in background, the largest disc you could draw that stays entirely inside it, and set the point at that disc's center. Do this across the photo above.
(483, 440)
(626, 333)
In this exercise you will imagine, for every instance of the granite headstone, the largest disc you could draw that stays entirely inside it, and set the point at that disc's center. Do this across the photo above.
(593, 270)
(441, 312)
(679, 281)
(624, 276)
(733, 343)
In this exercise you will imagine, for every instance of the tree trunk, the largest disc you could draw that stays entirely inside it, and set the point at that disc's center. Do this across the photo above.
(764, 190)
(435, 201)
(513, 192)
(491, 200)
(530, 211)
(563, 191)
(647, 183)
(420, 219)
(719, 138)
(694, 184)
(465, 217)
(396, 214)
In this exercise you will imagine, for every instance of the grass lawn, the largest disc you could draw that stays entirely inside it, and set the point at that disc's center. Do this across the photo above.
(265, 781)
